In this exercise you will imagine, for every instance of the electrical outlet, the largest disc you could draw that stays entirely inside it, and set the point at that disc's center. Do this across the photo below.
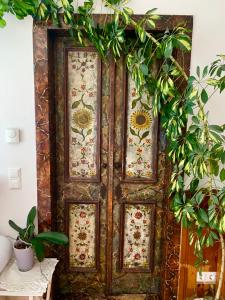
(206, 277)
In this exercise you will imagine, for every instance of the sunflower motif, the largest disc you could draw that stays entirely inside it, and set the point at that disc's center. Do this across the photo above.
(140, 120)
(82, 118)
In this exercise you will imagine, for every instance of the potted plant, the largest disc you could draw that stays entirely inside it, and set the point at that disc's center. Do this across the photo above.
(28, 242)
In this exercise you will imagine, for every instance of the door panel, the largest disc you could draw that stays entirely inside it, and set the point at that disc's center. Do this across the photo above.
(81, 92)
(82, 110)
(110, 177)
(138, 199)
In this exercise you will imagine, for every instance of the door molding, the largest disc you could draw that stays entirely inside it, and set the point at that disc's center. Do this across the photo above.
(43, 35)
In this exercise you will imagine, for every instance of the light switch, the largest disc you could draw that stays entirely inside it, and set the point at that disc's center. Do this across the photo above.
(14, 184)
(13, 172)
(14, 178)
(12, 135)
(206, 277)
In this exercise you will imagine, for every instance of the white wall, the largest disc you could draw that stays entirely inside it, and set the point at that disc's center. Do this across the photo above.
(17, 91)
(17, 110)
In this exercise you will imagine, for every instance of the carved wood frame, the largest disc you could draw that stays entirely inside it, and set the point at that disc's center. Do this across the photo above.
(44, 109)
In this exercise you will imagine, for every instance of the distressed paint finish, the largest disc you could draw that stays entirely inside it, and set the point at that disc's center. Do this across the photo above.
(82, 96)
(87, 280)
(43, 126)
(130, 193)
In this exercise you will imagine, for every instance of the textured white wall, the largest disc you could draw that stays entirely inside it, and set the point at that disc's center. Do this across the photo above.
(17, 91)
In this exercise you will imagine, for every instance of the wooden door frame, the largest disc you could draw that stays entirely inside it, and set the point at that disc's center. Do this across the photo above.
(173, 257)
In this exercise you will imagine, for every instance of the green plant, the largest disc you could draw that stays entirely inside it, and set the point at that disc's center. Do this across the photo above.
(28, 237)
(195, 147)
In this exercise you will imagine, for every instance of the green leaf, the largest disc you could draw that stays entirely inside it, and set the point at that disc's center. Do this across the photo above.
(31, 216)
(144, 69)
(128, 10)
(205, 72)
(89, 107)
(89, 131)
(141, 33)
(222, 174)
(132, 131)
(75, 104)
(151, 23)
(39, 249)
(2, 23)
(199, 197)
(151, 11)
(168, 49)
(75, 130)
(145, 106)
(144, 135)
(216, 128)
(223, 157)
(185, 44)
(134, 103)
(195, 119)
(16, 227)
(204, 96)
(203, 215)
(194, 184)
(212, 82)
(198, 71)
(53, 237)
(216, 137)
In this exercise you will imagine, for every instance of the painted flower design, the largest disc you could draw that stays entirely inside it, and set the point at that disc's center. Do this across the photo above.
(141, 120)
(138, 215)
(137, 235)
(137, 256)
(82, 256)
(82, 236)
(83, 214)
(82, 229)
(82, 118)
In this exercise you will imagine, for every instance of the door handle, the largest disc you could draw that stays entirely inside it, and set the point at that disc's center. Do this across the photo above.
(117, 165)
(104, 165)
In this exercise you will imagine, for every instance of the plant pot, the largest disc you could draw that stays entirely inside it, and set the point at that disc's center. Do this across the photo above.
(24, 256)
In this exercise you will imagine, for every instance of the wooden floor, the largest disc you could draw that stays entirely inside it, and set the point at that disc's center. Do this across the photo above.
(128, 297)
(121, 297)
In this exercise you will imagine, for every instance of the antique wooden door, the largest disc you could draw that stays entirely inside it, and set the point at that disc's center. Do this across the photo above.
(110, 168)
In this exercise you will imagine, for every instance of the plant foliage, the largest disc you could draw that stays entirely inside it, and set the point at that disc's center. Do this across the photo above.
(37, 241)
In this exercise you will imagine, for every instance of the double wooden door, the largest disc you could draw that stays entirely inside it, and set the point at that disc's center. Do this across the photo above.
(110, 169)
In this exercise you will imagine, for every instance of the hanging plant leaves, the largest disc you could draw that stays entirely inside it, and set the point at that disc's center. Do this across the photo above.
(144, 69)
(168, 49)
(204, 96)
(222, 174)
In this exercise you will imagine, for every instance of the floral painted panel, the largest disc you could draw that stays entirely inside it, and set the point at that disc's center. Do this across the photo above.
(140, 139)
(82, 229)
(83, 94)
(137, 236)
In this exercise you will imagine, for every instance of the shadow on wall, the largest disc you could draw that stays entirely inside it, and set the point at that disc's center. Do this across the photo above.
(19, 298)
